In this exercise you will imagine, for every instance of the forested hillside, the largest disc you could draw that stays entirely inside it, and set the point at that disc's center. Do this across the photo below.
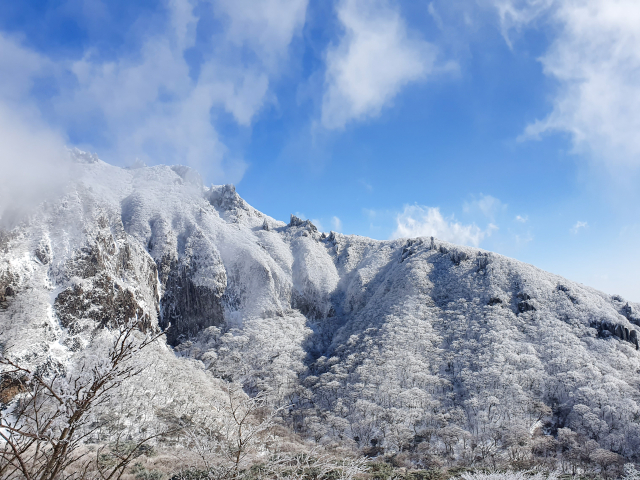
(432, 353)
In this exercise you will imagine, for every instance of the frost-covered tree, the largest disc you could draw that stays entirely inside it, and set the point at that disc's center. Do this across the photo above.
(630, 472)
(239, 427)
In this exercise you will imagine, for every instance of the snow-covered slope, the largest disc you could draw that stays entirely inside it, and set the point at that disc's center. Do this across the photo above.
(369, 340)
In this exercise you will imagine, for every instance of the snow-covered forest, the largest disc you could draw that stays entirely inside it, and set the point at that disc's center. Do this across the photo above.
(343, 355)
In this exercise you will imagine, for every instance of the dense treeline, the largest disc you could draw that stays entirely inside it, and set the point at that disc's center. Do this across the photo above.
(464, 383)
(103, 416)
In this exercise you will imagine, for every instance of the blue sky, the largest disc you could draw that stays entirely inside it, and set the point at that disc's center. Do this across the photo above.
(511, 125)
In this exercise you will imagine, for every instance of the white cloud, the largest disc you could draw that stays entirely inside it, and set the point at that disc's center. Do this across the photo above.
(595, 59)
(148, 105)
(373, 60)
(521, 219)
(33, 160)
(514, 14)
(487, 205)
(18, 66)
(422, 221)
(576, 228)
(265, 26)
(336, 224)
(435, 15)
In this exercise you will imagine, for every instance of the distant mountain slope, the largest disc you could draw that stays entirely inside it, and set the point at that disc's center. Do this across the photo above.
(379, 342)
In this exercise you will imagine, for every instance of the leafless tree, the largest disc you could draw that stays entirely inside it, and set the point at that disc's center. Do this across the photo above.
(240, 427)
(43, 426)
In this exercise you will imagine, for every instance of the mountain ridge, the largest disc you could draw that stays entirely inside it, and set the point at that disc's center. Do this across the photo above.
(369, 340)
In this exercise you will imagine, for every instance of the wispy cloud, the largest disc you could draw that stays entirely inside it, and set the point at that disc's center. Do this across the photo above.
(154, 105)
(422, 221)
(265, 27)
(486, 205)
(595, 58)
(370, 213)
(33, 160)
(336, 224)
(523, 239)
(318, 224)
(576, 228)
(522, 219)
(435, 15)
(514, 14)
(368, 187)
(376, 56)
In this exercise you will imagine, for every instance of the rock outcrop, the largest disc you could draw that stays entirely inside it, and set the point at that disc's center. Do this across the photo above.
(608, 329)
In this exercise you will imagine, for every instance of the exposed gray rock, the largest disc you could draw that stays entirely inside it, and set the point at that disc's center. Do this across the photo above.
(188, 308)
(409, 248)
(606, 329)
(43, 252)
(632, 315)
(225, 199)
(8, 287)
(482, 261)
(458, 256)
(523, 296)
(567, 291)
(298, 222)
(104, 301)
(526, 306)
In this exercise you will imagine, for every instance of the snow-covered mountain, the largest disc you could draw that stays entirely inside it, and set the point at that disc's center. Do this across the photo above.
(374, 342)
